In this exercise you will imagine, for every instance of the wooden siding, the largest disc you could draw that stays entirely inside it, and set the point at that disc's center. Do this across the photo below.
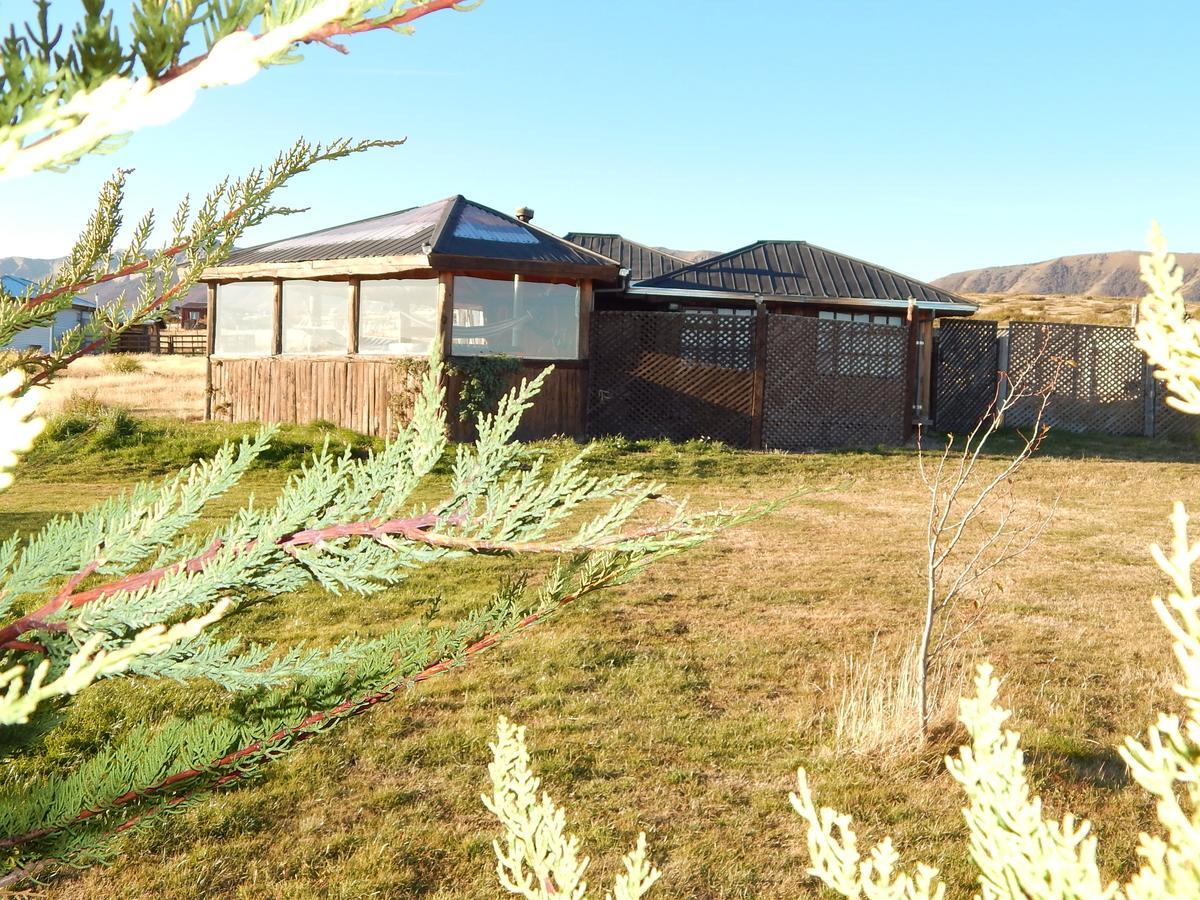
(356, 393)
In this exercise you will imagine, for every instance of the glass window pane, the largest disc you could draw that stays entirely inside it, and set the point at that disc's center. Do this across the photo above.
(515, 317)
(316, 316)
(243, 319)
(397, 317)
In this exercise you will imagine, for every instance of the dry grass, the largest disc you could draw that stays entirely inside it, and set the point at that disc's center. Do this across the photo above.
(877, 712)
(671, 704)
(163, 386)
(1056, 308)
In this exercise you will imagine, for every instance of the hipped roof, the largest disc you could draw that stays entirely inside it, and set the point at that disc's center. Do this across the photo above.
(642, 261)
(444, 232)
(797, 269)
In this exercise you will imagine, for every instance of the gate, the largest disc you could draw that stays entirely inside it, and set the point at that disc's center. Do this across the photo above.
(834, 384)
(966, 367)
(1097, 372)
(674, 375)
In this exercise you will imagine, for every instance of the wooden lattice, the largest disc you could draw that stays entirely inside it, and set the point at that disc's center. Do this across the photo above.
(1168, 421)
(675, 375)
(966, 373)
(833, 384)
(1096, 370)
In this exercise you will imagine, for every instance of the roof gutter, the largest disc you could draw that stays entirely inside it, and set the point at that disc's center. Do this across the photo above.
(888, 302)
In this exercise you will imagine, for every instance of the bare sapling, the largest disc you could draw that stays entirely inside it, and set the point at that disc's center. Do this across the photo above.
(974, 524)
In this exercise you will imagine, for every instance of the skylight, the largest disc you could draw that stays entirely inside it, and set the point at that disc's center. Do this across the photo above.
(481, 225)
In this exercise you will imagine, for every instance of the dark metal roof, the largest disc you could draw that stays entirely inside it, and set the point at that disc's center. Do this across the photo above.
(800, 269)
(451, 227)
(399, 233)
(642, 262)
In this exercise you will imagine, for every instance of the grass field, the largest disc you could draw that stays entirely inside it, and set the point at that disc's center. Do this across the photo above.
(170, 386)
(1055, 308)
(680, 704)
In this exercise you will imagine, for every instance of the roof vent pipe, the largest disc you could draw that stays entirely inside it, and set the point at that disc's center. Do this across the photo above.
(524, 214)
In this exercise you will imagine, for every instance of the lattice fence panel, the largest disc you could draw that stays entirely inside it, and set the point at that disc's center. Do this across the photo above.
(833, 384)
(966, 373)
(675, 375)
(1168, 421)
(1098, 385)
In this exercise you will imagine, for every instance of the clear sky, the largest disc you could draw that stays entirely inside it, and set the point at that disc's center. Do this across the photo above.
(928, 137)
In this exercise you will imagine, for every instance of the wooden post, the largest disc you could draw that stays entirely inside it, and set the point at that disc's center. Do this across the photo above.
(1002, 363)
(760, 374)
(1149, 398)
(355, 284)
(586, 300)
(209, 340)
(910, 370)
(445, 314)
(277, 319)
(924, 326)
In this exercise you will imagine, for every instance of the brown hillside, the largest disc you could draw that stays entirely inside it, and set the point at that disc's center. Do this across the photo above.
(1095, 274)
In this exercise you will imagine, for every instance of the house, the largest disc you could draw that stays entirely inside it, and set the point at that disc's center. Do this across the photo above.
(779, 343)
(310, 327)
(192, 309)
(45, 336)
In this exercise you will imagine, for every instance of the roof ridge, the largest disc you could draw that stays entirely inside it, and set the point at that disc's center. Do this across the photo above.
(704, 262)
(615, 234)
(891, 272)
(701, 264)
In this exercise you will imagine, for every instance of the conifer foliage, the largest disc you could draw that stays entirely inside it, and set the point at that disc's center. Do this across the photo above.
(131, 588)
(96, 581)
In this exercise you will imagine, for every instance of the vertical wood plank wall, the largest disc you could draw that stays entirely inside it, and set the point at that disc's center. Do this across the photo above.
(356, 393)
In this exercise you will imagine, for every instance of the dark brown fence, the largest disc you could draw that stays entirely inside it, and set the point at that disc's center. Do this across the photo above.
(675, 375)
(680, 375)
(1097, 372)
(966, 366)
(833, 384)
(1101, 381)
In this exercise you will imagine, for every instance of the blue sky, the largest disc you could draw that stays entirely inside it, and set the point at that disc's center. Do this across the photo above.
(929, 137)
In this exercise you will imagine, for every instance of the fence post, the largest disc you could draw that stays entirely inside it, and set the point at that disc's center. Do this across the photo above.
(1149, 396)
(1002, 363)
(760, 374)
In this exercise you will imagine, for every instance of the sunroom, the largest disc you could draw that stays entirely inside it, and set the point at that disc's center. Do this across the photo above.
(313, 327)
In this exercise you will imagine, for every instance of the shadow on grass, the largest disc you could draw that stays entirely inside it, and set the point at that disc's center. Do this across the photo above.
(1074, 762)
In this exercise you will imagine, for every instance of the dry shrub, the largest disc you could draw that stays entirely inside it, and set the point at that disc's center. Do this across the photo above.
(878, 712)
(122, 364)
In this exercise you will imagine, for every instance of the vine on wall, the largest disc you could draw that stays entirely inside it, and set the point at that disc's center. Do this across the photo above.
(483, 381)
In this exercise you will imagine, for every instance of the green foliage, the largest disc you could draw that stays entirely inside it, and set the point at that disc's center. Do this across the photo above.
(484, 381)
(200, 237)
(122, 364)
(538, 859)
(67, 92)
(347, 524)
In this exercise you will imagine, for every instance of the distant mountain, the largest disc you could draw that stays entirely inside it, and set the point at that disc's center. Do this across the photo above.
(28, 267)
(691, 256)
(1090, 274)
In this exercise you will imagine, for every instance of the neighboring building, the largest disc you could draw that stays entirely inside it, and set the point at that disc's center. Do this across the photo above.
(192, 310)
(45, 336)
(309, 327)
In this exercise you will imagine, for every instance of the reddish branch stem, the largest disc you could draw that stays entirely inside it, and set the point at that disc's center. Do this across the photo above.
(412, 529)
(301, 731)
